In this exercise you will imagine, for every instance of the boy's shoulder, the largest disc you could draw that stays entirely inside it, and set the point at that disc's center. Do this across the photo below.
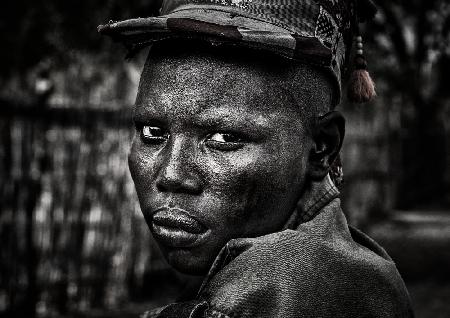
(321, 268)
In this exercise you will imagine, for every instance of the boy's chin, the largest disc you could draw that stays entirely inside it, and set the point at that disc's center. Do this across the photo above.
(185, 262)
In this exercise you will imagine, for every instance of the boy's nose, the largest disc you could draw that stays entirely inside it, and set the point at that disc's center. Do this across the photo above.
(177, 171)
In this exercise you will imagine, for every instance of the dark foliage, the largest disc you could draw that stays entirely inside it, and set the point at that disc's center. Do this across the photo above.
(33, 31)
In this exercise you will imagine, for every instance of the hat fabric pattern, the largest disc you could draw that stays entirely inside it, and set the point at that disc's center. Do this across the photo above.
(316, 32)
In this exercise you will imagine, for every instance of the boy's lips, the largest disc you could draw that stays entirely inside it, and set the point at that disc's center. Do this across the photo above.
(176, 228)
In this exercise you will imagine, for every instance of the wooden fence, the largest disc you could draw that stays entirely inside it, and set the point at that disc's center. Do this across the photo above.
(72, 236)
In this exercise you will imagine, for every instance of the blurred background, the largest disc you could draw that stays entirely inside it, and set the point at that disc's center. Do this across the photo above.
(73, 242)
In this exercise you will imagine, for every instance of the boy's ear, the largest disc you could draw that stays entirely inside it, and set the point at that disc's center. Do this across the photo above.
(328, 133)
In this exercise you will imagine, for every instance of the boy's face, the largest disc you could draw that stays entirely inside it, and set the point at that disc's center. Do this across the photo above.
(220, 152)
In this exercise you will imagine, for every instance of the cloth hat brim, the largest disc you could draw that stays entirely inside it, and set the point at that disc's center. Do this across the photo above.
(221, 25)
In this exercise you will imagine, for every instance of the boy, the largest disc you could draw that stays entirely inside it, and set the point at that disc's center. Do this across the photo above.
(236, 134)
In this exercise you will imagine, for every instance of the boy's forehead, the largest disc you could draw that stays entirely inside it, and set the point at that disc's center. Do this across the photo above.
(209, 68)
(205, 79)
(200, 82)
(207, 97)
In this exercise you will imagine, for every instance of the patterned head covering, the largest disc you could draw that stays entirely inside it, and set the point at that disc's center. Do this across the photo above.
(316, 32)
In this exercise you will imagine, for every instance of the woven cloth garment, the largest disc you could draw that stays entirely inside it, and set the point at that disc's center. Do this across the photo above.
(317, 266)
(316, 32)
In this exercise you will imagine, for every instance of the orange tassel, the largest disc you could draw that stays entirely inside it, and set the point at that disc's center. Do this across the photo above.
(361, 88)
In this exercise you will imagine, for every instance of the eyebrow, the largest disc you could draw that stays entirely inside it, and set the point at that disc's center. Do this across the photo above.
(222, 117)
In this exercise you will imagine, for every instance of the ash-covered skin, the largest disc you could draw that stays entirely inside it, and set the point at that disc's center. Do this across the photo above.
(225, 143)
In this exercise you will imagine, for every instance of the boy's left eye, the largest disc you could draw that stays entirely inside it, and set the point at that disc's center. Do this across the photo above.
(225, 141)
(225, 137)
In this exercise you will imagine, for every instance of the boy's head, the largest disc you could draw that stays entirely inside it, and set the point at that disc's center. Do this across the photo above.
(226, 142)
(229, 135)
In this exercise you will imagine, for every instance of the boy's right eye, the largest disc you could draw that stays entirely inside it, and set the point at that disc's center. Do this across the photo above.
(153, 134)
